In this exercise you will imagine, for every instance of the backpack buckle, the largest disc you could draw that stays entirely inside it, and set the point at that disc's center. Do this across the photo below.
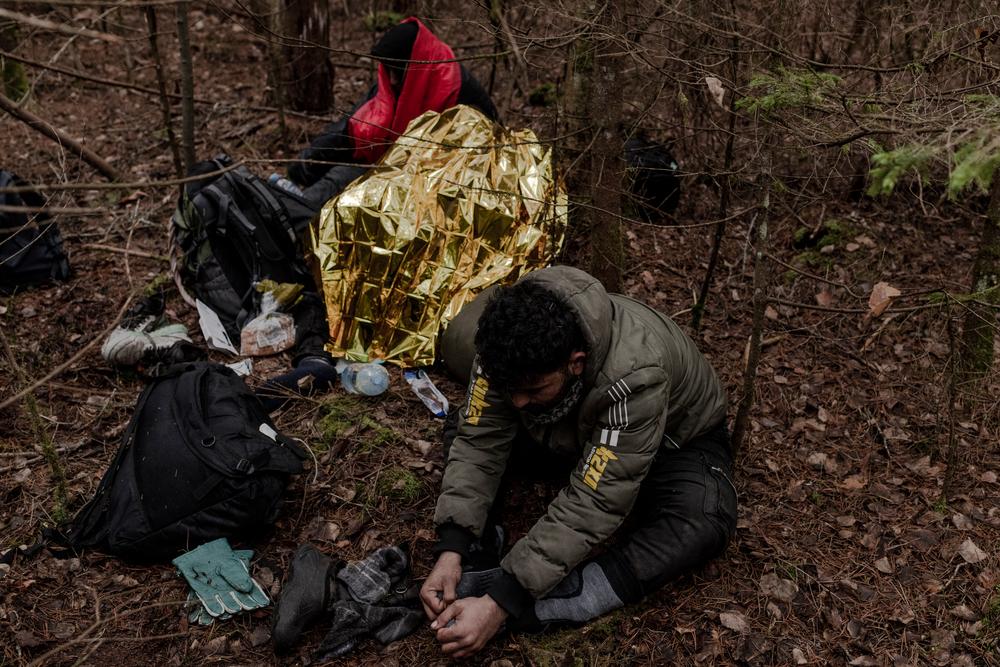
(244, 466)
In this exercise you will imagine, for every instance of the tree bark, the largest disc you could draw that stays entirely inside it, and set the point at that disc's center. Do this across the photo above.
(13, 80)
(161, 82)
(761, 280)
(309, 83)
(597, 102)
(980, 318)
(187, 86)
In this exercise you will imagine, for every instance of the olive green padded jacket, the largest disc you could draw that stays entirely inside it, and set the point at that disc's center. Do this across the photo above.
(644, 379)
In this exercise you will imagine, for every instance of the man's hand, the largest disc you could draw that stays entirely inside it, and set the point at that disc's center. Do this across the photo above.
(465, 626)
(438, 590)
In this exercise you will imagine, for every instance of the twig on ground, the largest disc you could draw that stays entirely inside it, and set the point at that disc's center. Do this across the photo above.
(126, 251)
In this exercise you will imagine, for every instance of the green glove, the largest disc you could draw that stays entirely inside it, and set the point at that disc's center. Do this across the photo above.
(221, 578)
(199, 614)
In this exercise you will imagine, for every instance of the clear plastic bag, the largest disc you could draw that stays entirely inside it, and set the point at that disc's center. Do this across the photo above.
(270, 332)
(431, 396)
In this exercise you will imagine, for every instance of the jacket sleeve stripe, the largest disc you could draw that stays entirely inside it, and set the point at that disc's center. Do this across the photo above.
(618, 413)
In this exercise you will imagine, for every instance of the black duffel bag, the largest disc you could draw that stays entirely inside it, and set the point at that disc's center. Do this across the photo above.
(199, 460)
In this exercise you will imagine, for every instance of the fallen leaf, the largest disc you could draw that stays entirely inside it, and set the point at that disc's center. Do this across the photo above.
(734, 621)
(824, 298)
(961, 522)
(259, 635)
(328, 531)
(817, 460)
(883, 565)
(971, 553)
(716, 89)
(775, 587)
(854, 482)
(846, 521)
(989, 477)
(770, 313)
(881, 296)
(799, 657)
(864, 661)
(851, 247)
(963, 612)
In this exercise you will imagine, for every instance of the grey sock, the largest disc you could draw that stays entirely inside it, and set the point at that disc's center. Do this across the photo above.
(580, 597)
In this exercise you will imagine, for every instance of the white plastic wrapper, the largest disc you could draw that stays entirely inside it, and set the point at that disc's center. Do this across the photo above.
(427, 392)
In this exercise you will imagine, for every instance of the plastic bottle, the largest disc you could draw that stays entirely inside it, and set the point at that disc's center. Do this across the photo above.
(370, 379)
(283, 183)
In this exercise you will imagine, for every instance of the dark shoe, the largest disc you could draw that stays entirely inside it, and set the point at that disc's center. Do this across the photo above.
(312, 374)
(304, 596)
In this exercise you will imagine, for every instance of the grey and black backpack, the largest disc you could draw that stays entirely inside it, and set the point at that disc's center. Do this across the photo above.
(233, 230)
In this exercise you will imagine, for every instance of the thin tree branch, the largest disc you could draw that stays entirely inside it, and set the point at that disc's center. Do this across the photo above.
(36, 123)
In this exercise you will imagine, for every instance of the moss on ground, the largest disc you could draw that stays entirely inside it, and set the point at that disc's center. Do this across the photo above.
(343, 414)
(399, 484)
(595, 645)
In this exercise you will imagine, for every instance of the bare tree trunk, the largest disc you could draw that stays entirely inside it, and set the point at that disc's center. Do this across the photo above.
(980, 318)
(761, 279)
(310, 73)
(13, 80)
(187, 85)
(161, 83)
(597, 101)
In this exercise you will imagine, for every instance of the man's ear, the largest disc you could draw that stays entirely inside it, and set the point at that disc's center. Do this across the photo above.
(577, 362)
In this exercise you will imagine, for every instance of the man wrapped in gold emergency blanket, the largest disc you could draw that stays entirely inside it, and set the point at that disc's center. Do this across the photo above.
(457, 204)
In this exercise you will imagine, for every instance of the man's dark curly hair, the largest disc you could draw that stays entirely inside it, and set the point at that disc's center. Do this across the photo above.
(526, 331)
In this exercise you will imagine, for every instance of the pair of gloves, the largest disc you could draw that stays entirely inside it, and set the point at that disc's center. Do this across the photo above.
(220, 582)
(365, 598)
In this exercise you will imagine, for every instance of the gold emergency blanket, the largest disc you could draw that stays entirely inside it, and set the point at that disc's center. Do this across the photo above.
(456, 205)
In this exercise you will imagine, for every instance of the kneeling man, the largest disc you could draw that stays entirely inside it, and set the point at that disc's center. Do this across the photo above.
(562, 369)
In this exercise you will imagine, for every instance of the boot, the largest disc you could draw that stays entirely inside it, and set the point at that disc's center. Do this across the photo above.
(304, 596)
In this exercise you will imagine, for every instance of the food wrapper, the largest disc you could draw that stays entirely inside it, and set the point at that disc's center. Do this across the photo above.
(457, 204)
(271, 331)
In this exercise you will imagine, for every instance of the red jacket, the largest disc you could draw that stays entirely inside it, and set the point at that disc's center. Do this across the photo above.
(427, 86)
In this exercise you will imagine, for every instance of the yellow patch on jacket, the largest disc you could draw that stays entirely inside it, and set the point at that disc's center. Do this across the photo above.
(599, 459)
(477, 400)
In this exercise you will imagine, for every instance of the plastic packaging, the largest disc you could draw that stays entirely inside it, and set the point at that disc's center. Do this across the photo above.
(368, 379)
(422, 386)
(268, 333)
(284, 184)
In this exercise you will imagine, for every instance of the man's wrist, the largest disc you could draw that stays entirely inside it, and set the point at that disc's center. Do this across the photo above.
(497, 609)
(450, 557)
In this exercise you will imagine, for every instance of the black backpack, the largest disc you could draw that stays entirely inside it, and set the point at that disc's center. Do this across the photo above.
(235, 229)
(653, 181)
(31, 248)
(200, 460)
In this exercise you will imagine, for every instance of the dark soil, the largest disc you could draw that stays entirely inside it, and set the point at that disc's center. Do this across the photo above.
(846, 553)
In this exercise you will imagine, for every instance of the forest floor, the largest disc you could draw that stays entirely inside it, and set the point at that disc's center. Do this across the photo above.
(845, 554)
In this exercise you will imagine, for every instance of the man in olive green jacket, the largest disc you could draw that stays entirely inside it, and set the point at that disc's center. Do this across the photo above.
(560, 366)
